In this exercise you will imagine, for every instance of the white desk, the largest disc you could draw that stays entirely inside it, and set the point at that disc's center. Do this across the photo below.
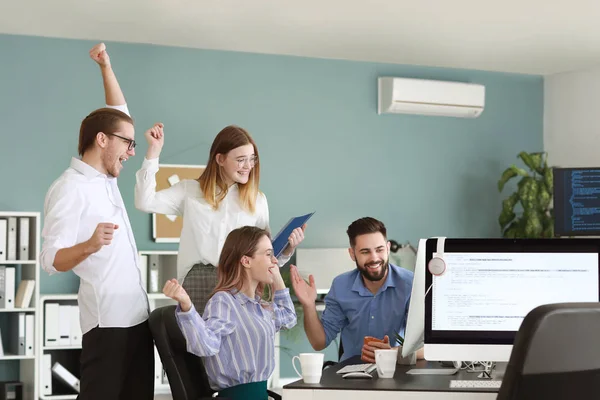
(406, 387)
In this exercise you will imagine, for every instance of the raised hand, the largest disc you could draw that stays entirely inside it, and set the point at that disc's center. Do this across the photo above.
(175, 291)
(102, 236)
(306, 293)
(98, 53)
(155, 137)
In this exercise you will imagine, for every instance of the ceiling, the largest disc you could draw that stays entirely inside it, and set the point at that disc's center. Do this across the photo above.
(522, 36)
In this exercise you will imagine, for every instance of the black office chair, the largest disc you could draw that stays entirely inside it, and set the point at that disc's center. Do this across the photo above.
(185, 371)
(556, 354)
(330, 363)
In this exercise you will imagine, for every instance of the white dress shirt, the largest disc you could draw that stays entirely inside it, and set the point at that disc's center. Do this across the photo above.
(110, 289)
(204, 228)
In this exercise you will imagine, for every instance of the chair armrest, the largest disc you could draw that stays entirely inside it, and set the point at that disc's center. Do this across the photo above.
(273, 395)
(329, 363)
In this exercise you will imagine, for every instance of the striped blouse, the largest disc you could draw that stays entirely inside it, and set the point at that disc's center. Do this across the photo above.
(236, 336)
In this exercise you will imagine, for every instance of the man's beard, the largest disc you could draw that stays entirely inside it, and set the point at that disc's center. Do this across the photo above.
(110, 163)
(371, 275)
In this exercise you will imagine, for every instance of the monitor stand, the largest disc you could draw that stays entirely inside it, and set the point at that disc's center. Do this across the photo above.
(486, 373)
(491, 371)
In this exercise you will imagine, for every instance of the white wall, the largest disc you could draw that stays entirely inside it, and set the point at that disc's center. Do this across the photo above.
(572, 118)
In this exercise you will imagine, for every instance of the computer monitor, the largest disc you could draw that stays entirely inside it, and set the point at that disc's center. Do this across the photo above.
(576, 201)
(475, 308)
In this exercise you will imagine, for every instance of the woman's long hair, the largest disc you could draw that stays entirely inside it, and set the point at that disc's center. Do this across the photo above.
(230, 271)
(214, 188)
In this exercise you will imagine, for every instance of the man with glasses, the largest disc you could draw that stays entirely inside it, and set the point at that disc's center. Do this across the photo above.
(87, 230)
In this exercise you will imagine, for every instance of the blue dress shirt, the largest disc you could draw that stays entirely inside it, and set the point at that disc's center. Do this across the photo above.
(352, 309)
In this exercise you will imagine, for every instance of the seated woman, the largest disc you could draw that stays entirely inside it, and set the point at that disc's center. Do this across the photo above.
(236, 333)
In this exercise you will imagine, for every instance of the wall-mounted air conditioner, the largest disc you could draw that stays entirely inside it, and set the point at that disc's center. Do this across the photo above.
(429, 97)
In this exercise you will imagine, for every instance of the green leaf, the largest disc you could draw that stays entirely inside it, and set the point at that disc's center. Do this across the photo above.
(533, 224)
(549, 180)
(514, 230)
(549, 232)
(505, 218)
(534, 194)
(544, 196)
(548, 225)
(507, 214)
(399, 339)
(533, 160)
(510, 173)
(527, 190)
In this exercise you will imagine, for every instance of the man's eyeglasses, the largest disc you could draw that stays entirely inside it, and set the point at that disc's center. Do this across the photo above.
(250, 160)
(131, 142)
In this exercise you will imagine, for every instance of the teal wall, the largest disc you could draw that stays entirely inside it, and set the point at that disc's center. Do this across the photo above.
(322, 144)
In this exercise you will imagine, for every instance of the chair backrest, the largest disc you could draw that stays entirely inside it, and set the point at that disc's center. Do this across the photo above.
(555, 354)
(177, 362)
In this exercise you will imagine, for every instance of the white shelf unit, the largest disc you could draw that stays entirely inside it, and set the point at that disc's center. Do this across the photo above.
(165, 269)
(67, 355)
(26, 267)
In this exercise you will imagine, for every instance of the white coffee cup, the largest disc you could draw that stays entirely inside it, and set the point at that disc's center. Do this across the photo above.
(311, 365)
(385, 360)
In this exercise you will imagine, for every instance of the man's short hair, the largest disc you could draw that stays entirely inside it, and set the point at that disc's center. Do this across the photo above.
(364, 226)
(105, 120)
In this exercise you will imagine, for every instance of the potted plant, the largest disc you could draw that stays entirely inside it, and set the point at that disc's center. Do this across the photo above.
(528, 212)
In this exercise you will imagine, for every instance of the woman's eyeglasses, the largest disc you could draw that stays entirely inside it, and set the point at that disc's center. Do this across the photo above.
(250, 160)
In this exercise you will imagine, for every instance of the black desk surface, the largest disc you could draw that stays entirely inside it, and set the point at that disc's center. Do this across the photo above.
(401, 381)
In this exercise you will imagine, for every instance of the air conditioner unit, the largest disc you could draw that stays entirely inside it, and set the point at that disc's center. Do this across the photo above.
(429, 97)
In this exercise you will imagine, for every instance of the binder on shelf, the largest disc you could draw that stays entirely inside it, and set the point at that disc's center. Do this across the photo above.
(17, 334)
(51, 324)
(29, 334)
(11, 243)
(24, 238)
(2, 286)
(144, 271)
(3, 238)
(9, 287)
(76, 334)
(153, 268)
(11, 390)
(64, 325)
(1, 345)
(64, 375)
(46, 374)
(24, 293)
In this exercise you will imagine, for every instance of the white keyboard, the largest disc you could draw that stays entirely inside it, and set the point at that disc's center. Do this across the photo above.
(368, 368)
(476, 384)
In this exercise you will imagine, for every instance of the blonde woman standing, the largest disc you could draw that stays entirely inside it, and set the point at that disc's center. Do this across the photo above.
(225, 197)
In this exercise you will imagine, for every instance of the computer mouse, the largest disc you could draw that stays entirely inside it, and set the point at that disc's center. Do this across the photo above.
(358, 374)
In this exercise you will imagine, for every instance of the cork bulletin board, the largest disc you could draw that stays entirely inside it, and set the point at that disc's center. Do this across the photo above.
(167, 228)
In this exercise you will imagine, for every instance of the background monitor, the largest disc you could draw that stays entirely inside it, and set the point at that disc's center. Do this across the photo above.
(576, 201)
(474, 310)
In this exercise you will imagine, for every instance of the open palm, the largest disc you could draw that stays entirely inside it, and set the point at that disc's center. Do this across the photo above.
(306, 293)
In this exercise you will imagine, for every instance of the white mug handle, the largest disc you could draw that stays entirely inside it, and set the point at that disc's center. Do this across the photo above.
(294, 365)
(378, 365)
